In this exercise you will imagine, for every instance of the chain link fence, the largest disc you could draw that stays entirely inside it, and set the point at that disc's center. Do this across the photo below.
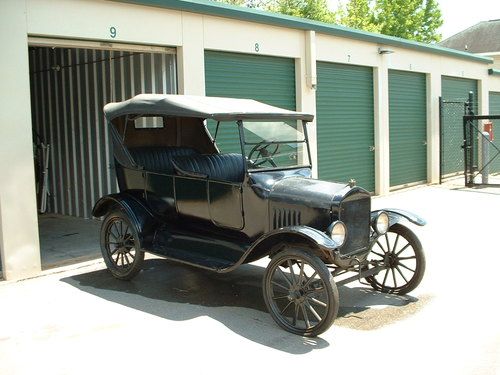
(452, 135)
(482, 150)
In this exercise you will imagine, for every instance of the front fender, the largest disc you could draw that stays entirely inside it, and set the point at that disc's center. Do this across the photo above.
(397, 215)
(319, 242)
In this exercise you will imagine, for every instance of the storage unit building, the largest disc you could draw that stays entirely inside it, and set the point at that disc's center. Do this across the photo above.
(375, 97)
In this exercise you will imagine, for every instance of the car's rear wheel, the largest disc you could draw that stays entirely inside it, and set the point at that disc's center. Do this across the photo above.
(120, 246)
(300, 293)
(400, 251)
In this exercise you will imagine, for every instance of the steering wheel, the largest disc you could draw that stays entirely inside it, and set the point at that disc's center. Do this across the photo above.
(264, 155)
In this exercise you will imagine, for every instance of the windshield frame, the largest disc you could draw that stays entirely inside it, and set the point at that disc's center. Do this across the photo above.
(243, 143)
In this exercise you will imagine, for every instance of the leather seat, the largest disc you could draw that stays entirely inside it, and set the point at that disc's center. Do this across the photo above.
(224, 167)
(159, 159)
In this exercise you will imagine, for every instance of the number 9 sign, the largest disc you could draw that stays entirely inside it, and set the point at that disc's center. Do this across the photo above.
(112, 32)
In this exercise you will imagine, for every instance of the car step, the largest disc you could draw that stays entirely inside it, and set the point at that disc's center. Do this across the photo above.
(360, 275)
(193, 258)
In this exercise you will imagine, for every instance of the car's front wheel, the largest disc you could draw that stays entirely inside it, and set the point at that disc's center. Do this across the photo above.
(300, 292)
(400, 251)
(120, 246)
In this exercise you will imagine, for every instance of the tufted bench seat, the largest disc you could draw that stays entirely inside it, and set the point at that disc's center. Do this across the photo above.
(159, 159)
(224, 167)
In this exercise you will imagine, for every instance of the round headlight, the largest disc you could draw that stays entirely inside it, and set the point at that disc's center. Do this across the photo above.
(338, 232)
(381, 223)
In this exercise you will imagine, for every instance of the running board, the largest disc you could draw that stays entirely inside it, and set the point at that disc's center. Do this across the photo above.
(361, 275)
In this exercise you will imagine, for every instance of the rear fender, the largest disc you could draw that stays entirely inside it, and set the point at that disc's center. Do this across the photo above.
(136, 211)
(312, 239)
(397, 215)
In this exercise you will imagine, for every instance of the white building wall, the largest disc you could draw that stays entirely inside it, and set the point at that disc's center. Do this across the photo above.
(348, 51)
(107, 22)
(494, 81)
(19, 245)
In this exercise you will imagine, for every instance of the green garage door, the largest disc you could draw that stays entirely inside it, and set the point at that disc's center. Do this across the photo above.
(408, 127)
(494, 98)
(345, 127)
(267, 79)
(455, 89)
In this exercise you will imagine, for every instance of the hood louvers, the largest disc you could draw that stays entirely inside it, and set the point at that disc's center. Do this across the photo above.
(285, 218)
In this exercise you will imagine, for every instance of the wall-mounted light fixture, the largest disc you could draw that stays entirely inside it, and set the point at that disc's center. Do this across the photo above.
(384, 51)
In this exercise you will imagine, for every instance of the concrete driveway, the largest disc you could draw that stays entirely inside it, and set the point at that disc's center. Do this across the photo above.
(175, 319)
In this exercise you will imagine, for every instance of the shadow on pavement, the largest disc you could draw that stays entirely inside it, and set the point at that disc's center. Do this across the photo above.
(179, 293)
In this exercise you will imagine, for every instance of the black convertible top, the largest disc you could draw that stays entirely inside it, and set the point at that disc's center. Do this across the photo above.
(204, 107)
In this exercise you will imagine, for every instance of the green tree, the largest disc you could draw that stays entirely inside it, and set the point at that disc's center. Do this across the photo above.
(233, 2)
(410, 19)
(260, 4)
(358, 14)
(310, 9)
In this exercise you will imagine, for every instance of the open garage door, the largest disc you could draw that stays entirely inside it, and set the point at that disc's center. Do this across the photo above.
(345, 123)
(407, 128)
(69, 87)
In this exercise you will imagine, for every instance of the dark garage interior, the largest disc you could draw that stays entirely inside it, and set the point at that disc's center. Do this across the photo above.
(72, 157)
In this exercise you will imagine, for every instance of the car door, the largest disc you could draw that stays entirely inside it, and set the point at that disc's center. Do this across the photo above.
(226, 204)
(191, 196)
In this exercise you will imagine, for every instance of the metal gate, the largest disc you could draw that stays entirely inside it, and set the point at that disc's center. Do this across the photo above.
(480, 151)
(451, 156)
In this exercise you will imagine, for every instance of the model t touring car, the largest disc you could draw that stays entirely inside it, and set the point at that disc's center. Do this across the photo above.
(217, 182)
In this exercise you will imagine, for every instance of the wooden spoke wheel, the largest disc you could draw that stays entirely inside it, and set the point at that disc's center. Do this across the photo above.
(300, 293)
(400, 251)
(120, 246)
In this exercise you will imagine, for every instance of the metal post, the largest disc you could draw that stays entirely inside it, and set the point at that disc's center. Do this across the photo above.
(471, 104)
(466, 147)
(485, 156)
(441, 148)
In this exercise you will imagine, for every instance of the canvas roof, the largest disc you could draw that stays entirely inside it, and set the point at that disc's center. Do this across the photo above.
(219, 109)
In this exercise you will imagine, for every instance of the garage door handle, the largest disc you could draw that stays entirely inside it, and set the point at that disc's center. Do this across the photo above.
(371, 148)
(424, 143)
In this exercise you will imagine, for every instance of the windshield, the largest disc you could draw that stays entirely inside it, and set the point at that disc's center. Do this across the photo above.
(275, 144)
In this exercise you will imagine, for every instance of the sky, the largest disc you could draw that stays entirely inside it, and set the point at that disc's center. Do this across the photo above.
(459, 15)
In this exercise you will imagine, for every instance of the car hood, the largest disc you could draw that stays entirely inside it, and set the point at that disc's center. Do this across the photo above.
(295, 199)
(298, 188)
(308, 192)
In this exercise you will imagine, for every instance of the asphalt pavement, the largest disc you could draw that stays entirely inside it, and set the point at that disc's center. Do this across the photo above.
(175, 319)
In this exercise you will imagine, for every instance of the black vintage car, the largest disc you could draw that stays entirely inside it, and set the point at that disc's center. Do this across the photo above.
(216, 182)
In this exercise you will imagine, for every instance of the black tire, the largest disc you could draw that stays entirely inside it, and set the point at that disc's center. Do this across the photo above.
(120, 246)
(295, 278)
(400, 250)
